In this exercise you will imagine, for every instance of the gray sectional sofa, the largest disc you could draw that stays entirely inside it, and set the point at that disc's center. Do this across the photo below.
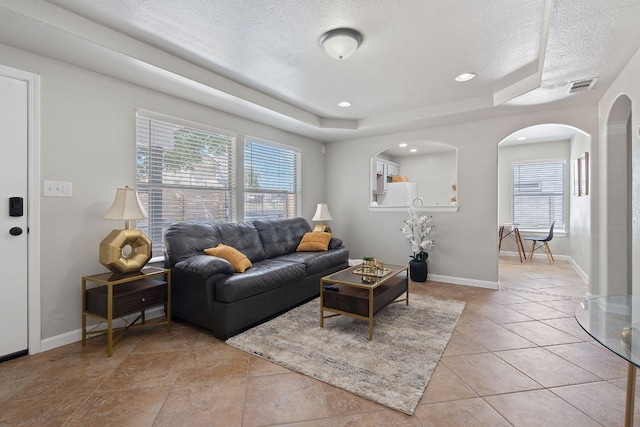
(207, 292)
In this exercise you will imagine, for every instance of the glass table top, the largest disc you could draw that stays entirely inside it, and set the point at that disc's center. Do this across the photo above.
(613, 321)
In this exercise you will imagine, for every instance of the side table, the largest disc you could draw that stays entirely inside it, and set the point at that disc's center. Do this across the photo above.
(119, 295)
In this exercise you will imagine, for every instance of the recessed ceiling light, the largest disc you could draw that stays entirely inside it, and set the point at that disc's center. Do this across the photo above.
(522, 138)
(344, 104)
(465, 77)
(413, 150)
(402, 144)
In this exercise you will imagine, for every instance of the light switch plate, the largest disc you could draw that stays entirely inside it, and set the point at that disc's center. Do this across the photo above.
(57, 189)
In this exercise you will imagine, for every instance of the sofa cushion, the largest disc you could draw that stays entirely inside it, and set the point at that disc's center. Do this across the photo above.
(238, 260)
(281, 236)
(264, 276)
(244, 237)
(316, 262)
(314, 242)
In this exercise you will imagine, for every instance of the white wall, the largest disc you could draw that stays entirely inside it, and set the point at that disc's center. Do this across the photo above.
(610, 282)
(434, 174)
(88, 138)
(580, 211)
(466, 241)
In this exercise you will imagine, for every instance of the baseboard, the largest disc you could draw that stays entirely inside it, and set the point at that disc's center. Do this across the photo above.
(76, 335)
(580, 271)
(462, 281)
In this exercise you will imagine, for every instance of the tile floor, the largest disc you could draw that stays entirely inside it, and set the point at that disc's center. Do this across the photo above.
(517, 357)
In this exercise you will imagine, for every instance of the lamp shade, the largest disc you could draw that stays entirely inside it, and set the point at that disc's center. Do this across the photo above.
(322, 213)
(126, 206)
(341, 43)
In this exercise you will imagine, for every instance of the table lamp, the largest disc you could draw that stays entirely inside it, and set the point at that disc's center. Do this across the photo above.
(125, 251)
(322, 214)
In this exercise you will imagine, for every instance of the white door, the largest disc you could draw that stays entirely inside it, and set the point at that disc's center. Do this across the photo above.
(13, 227)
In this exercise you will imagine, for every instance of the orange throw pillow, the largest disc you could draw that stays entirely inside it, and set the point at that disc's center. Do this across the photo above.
(237, 259)
(313, 241)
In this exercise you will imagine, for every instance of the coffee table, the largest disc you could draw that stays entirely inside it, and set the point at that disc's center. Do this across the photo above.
(362, 298)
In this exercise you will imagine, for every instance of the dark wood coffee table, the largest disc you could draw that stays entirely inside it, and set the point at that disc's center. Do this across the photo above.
(355, 297)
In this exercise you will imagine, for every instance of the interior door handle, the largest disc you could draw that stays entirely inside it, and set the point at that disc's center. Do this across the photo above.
(15, 231)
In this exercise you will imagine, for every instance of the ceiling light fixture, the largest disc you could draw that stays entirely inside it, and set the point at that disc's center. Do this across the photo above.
(414, 150)
(465, 77)
(402, 144)
(340, 43)
(344, 104)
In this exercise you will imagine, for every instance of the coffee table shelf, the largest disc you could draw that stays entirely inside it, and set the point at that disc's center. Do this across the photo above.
(359, 299)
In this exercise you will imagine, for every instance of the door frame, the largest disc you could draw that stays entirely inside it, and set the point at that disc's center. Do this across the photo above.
(33, 203)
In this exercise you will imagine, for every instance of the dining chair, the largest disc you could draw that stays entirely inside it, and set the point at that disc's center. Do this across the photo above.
(538, 243)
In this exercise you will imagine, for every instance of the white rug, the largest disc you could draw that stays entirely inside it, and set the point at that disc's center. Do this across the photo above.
(393, 369)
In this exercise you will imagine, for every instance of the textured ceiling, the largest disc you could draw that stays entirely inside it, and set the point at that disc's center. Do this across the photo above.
(262, 58)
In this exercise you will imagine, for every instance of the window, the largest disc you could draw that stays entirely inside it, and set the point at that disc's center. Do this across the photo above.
(538, 194)
(271, 180)
(184, 172)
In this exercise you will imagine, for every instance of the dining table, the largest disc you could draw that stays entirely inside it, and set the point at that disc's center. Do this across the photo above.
(511, 230)
(614, 322)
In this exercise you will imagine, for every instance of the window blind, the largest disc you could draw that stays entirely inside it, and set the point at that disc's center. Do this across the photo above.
(539, 194)
(272, 185)
(184, 172)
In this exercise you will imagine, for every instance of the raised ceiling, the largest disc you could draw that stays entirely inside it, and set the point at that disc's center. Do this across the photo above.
(261, 59)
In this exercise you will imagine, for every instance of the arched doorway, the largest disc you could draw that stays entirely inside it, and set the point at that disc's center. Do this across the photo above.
(543, 143)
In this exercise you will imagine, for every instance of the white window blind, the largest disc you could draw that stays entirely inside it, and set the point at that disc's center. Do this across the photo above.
(539, 194)
(184, 172)
(271, 180)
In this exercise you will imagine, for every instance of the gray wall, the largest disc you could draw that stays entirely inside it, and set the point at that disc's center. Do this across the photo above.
(466, 244)
(88, 138)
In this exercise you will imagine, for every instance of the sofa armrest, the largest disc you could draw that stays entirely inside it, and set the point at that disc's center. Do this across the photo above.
(204, 266)
(335, 243)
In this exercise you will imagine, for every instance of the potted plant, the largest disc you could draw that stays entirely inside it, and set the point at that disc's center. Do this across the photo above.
(417, 229)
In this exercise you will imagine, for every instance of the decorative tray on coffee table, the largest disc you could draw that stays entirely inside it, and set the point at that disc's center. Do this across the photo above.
(363, 271)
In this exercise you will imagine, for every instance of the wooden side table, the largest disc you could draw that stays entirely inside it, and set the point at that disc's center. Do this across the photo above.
(120, 295)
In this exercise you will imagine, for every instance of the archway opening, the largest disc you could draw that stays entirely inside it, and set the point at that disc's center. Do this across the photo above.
(551, 163)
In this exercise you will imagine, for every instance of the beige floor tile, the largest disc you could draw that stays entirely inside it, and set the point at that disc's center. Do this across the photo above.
(495, 312)
(46, 411)
(340, 403)
(384, 418)
(123, 407)
(189, 377)
(487, 374)
(461, 344)
(537, 311)
(545, 367)
(538, 408)
(67, 376)
(594, 358)
(569, 325)
(285, 398)
(145, 370)
(468, 412)
(541, 334)
(602, 401)
(493, 337)
(259, 366)
(445, 386)
(205, 403)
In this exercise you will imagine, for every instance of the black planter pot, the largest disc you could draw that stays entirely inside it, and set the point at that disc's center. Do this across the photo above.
(418, 271)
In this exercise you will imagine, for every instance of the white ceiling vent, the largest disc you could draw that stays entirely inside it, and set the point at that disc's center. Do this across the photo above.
(582, 85)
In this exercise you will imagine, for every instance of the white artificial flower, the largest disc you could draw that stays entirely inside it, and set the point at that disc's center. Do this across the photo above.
(416, 230)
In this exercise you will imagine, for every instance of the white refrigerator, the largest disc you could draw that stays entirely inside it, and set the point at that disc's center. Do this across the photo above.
(400, 194)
